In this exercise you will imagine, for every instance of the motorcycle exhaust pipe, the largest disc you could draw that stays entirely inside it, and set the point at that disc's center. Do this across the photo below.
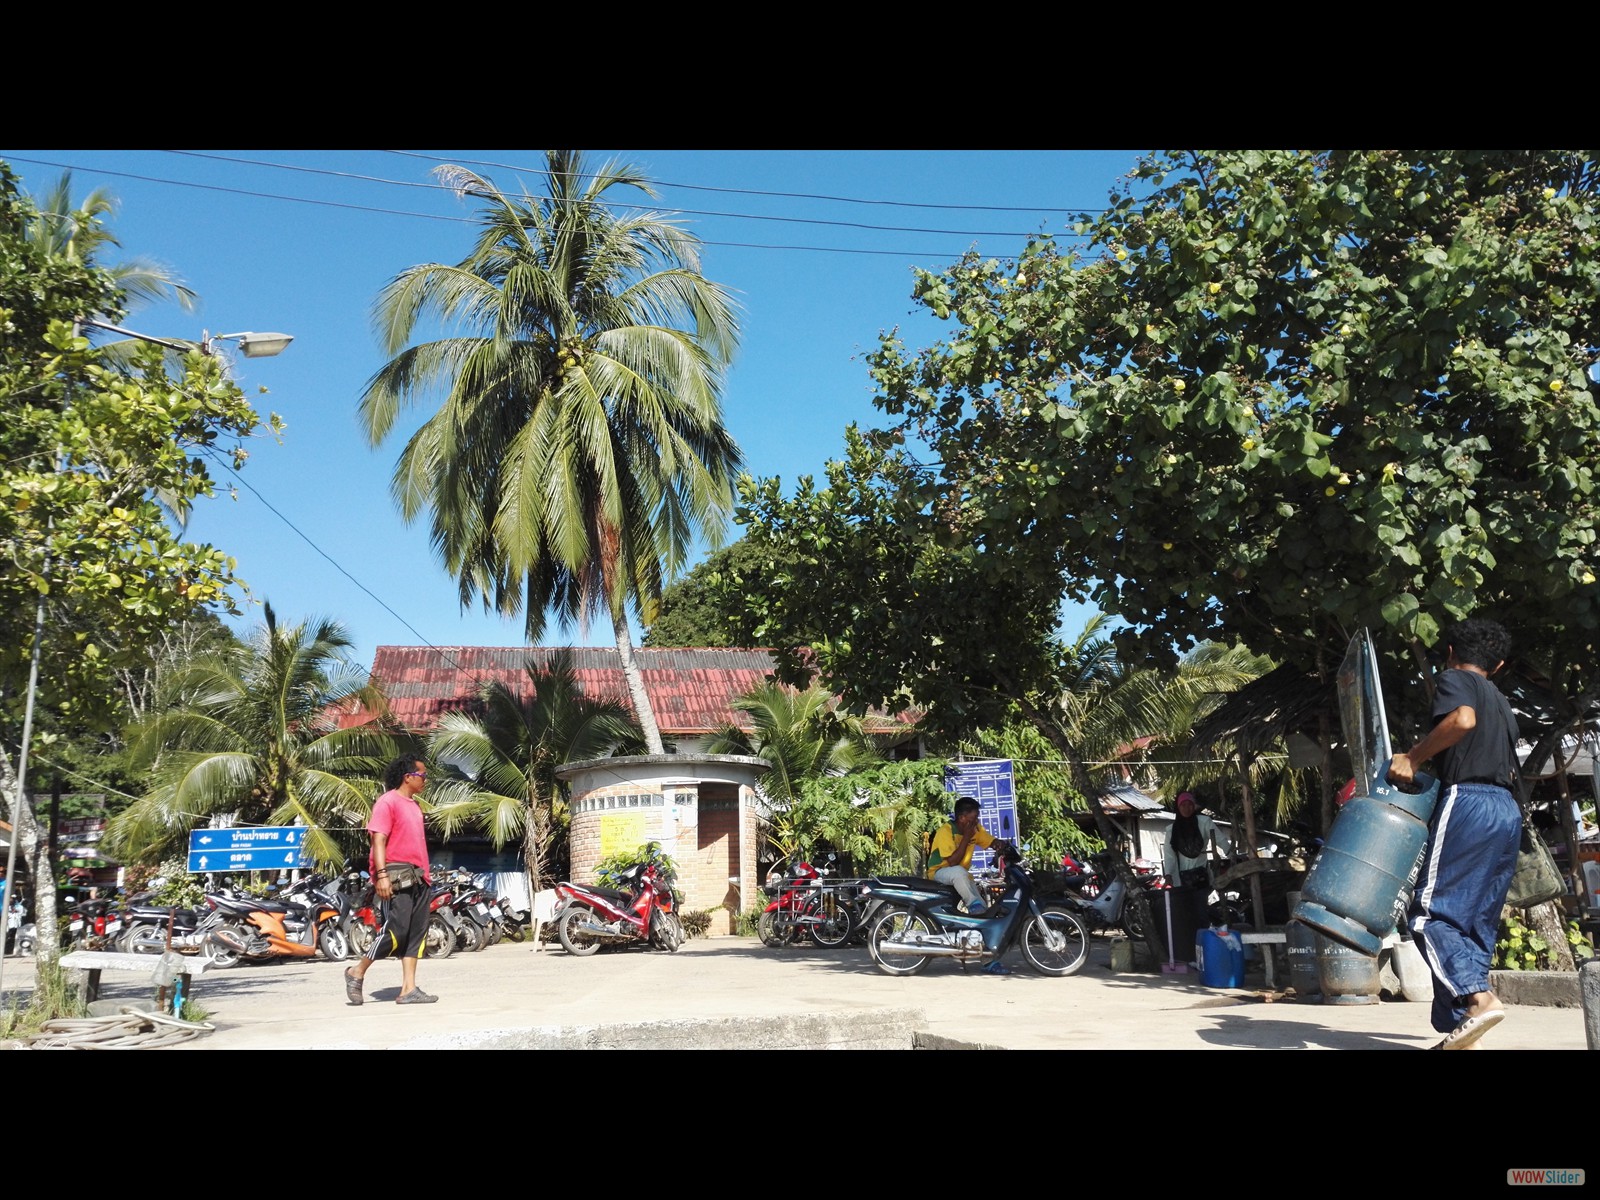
(934, 950)
(229, 940)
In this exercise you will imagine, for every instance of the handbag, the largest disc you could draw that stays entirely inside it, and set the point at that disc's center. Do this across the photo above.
(1536, 878)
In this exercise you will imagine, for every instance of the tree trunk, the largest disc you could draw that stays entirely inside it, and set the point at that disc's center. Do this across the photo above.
(635, 679)
(25, 828)
(1549, 921)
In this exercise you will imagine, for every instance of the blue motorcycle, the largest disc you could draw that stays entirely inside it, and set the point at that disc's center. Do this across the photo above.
(917, 920)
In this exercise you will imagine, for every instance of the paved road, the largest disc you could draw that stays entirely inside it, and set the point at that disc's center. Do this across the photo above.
(736, 993)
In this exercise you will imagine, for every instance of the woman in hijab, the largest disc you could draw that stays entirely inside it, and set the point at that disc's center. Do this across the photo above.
(1189, 845)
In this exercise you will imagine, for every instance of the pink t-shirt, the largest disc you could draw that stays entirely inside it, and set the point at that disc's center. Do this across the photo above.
(399, 818)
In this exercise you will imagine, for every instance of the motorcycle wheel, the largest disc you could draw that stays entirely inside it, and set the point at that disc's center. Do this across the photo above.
(668, 931)
(1056, 943)
(334, 945)
(441, 940)
(570, 931)
(219, 956)
(480, 933)
(361, 938)
(897, 923)
(771, 932)
(836, 926)
(145, 939)
(1131, 923)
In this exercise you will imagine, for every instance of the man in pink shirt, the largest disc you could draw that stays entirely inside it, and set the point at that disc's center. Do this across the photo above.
(399, 866)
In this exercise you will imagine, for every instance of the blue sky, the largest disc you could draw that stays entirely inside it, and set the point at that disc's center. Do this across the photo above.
(302, 241)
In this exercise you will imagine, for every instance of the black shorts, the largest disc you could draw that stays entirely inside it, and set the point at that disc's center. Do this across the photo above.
(405, 925)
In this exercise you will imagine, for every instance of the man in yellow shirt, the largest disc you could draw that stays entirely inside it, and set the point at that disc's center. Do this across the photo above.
(950, 856)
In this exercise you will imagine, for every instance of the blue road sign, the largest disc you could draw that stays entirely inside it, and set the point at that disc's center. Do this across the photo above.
(276, 848)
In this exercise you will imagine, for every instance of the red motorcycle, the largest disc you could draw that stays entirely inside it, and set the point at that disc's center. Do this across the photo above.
(803, 905)
(639, 911)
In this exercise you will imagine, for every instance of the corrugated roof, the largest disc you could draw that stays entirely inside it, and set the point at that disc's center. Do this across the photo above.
(689, 689)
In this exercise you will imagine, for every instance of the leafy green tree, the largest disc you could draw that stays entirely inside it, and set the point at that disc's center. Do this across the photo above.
(254, 734)
(85, 448)
(703, 608)
(1288, 395)
(878, 817)
(1282, 396)
(496, 766)
(579, 447)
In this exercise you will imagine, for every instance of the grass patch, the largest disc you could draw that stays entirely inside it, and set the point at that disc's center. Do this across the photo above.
(54, 996)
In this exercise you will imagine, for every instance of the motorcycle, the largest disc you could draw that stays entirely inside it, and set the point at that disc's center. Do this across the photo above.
(804, 905)
(514, 920)
(303, 922)
(93, 925)
(474, 910)
(639, 911)
(358, 902)
(920, 920)
(444, 931)
(1109, 908)
(149, 926)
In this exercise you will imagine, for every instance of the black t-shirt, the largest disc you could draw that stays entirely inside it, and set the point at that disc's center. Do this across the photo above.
(1487, 754)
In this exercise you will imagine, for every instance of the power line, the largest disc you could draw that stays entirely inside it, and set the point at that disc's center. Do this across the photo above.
(674, 208)
(700, 187)
(381, 211)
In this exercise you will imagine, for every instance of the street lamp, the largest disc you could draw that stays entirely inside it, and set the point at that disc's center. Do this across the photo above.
(251, 345)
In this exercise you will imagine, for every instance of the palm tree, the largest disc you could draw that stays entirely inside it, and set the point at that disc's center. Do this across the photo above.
(73, 230)
(251, 731)
(578, 448)
(802, 736)
(497, 767)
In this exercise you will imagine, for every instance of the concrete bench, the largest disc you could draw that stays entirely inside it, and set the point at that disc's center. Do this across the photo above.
(181, 966)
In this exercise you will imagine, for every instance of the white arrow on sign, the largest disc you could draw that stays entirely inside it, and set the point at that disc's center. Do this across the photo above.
(205, 841)
(203, 861)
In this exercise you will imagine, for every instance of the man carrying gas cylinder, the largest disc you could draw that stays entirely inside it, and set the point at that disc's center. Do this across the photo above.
(1474, 833)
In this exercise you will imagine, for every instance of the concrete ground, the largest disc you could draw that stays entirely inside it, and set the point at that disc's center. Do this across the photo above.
(735, 993)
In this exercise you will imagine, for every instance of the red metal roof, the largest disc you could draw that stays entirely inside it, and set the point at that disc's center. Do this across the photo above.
(689, 689)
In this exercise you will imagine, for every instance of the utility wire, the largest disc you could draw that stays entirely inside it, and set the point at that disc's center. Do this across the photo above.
(260, 195)
(691, 212)
(699, 187)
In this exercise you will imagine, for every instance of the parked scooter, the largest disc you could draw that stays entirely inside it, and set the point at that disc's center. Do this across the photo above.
(639, 911)
(303, 922)
(921, 920)
(1109, 907)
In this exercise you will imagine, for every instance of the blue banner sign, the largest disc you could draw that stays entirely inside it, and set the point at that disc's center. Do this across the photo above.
(275, 848)
(991, 784)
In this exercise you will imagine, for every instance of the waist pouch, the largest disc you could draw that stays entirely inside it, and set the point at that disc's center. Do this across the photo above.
(403, 876)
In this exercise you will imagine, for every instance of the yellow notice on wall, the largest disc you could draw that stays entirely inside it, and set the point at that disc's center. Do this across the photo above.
(621, 832)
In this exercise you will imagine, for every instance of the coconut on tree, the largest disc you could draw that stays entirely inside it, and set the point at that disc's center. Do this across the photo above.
(578, 448)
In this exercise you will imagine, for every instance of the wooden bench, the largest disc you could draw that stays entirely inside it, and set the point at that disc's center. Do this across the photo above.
(181, 967)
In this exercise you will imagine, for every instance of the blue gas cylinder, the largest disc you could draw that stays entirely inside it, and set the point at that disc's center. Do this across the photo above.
(1357, 889)
(1220, 955)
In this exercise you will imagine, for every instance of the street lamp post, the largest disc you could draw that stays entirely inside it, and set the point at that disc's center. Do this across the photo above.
(251, 345)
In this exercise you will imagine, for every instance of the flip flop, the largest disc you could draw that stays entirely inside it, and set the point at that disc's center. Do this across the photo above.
(352, 987)
(1471, 1029)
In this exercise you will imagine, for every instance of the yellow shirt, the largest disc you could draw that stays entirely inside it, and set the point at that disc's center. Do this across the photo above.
(942, 852)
